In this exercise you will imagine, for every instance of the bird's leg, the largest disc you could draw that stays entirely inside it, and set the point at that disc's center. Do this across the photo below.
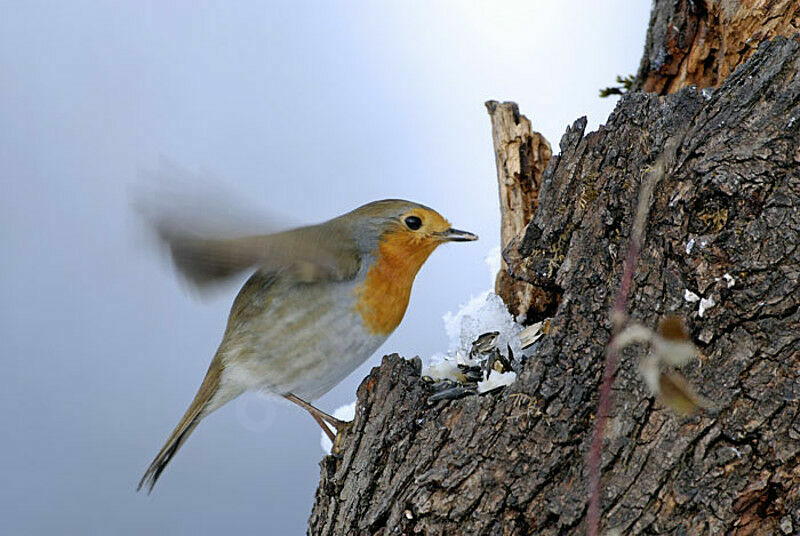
(322, 418)
(325, 428)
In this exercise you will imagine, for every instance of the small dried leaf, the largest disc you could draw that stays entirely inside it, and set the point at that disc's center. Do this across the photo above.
(632, 334)
(672, 328)
(673, 346)
(676, 353)
(677, 394)
(650, 371)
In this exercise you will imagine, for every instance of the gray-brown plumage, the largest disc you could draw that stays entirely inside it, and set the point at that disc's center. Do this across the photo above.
(321, 301)
(197, 410)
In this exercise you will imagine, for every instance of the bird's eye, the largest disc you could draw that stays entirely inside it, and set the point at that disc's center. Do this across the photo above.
(413, 223)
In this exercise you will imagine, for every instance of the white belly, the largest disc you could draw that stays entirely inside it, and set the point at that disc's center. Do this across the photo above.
(304, 342)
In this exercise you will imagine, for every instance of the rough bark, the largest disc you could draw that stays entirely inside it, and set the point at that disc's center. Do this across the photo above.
(513, 462)
(521, 156)
(700, 42)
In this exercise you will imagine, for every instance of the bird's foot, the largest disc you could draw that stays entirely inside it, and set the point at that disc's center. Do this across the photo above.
(325, 421)
(338, 442)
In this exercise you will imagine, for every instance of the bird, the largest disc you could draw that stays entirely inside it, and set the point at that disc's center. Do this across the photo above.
(320, 301)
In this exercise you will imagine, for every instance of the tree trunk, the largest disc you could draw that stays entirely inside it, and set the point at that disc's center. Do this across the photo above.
(700, 42)
(724, 223)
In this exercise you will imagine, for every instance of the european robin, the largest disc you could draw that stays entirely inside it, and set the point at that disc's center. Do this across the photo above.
(322, 299)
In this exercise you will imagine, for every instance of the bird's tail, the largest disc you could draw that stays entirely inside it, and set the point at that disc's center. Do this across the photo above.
(204, 403)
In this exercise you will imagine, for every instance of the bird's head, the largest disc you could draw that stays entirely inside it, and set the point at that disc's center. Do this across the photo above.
(402, 229)
(397, 236)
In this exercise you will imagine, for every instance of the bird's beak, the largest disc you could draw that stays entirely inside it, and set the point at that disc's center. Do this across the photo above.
(454, 235)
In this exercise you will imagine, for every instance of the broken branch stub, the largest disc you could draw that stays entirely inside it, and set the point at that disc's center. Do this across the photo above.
(521, 156)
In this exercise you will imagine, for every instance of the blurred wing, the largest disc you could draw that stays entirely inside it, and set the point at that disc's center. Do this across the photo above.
(206, 229)
(309, 253)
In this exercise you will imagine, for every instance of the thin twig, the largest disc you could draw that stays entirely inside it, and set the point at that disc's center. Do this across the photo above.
(619, 319)
(604, 403)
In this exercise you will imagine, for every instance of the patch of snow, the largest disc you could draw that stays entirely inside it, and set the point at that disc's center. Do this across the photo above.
(481, 314)
(494, 260)
(690, 296)
(689, 246)
(464, 359)
(648, 368)
(344, 413)
(495, 380)
(705, 304)
(442, 367)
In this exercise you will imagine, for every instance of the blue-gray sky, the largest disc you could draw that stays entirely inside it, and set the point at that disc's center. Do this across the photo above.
(307, 109)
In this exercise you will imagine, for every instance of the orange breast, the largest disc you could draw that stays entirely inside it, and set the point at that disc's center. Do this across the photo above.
(383, 297)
